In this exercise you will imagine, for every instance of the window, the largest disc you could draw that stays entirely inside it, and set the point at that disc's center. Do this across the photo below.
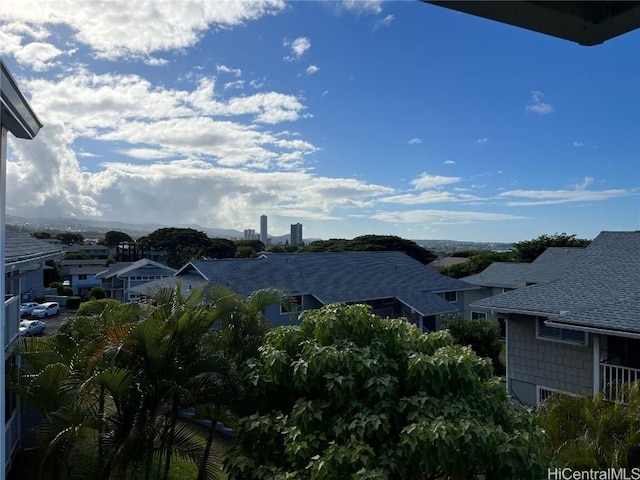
(478, 316)
(545, 332)
(82, 277)
(450, 296)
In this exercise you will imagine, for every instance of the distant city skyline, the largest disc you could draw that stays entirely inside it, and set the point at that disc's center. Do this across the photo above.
(352, 118)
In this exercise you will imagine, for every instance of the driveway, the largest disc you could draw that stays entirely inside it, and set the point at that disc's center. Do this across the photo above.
(53, 323)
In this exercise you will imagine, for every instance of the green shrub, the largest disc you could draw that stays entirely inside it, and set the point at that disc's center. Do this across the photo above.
(95, 307)
(97, 293)
(58, 286)
(73, 302)
(482, 335)
(66, 291)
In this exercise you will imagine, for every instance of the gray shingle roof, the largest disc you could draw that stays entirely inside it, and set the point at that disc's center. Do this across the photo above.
(337, 277)
(121, 269)
(20, 247)
(600, 288)
(500, 274)
(551, 264)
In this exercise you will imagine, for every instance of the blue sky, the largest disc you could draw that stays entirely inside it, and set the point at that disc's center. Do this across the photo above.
(351, 118)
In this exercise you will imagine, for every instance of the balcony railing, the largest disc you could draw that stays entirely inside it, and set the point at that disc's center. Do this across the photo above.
(12, 318)
(614, 377)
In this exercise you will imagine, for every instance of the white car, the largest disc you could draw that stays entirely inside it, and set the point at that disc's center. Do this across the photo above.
(29, 328)
(46, 309)
(27, 308)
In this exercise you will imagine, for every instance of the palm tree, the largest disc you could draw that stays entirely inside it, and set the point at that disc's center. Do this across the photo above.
(113, 386)
(593, 433)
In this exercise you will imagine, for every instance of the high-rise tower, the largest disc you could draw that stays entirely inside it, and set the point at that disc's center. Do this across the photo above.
(296, 234)
(263, 229)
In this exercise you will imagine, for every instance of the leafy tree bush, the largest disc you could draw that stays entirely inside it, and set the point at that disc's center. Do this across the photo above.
(96, 307)
(97, 293)
(66, 291)
(181, 245)
(587, 432)
(482, 335)
(114, 237)
(73, 302)
(529, 250)
(349, 395)
(111, 388)
(58, 286)
(476, 263)
(372, 243)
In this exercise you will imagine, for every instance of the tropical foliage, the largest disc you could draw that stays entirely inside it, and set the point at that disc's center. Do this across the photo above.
(591, 432)
(113, 386)
(372, 243)
(350, 395)
(482, 335)
(529, 250)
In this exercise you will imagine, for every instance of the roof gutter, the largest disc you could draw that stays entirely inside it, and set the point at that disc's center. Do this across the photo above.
(601, 331)
(494, 310)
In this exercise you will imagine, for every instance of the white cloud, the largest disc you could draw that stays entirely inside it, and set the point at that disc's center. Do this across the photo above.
(235, 84)
(298, 48)
(578, 144)
(449, 162)
(426, 181)
(584, 184)
(156, 61)
(224, 69)
(414, 141)
(539, 106)
(168, 25)
(482, 140)
(385, 22)
(429, 196)
(256, 83)
(146, 153)
(311, 69)
(363, 6)
(441, 217)
(552, 197)
(38, 55)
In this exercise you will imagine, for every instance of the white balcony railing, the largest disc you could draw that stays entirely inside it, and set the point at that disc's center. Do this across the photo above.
(12, 318)
(613, 377)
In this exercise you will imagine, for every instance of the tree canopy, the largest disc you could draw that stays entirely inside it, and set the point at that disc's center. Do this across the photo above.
(181, 245)
(588, 432)
(372, 243)
(114, 237)
(112, 384)
(528, 250)
(476, 263)
(348, 394)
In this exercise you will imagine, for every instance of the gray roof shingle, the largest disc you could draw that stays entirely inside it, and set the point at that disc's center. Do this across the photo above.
(337, 277)
(600, 288)
(500, 274)
(20, 247)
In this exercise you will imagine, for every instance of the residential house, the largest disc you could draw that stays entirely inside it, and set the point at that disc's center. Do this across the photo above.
(502, 277)
(119, 278)
(393, 283)
(24, 264)
(579, 332)
(100, 252)
(81, 274)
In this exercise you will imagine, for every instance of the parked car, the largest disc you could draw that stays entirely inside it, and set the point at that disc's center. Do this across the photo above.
(29, 328)
(27, 308)
(46, 309)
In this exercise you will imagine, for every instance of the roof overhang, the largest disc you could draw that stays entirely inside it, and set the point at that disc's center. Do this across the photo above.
(587, 23)
(584, 328)
(16, 115)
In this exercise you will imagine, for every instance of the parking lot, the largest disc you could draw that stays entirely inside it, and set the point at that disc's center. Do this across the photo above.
(53, 323)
